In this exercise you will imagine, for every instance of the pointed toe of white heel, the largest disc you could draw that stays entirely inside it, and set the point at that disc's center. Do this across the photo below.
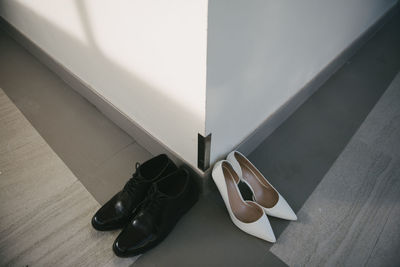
(281, 210)
(265, 231)
(264, 193)
(248, 216)
(269, 237)
(261, 228)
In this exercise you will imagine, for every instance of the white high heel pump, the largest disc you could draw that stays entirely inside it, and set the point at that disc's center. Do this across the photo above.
(246, 215)
(264, 193)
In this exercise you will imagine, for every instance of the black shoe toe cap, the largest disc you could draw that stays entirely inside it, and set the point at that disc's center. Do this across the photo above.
(133, 241)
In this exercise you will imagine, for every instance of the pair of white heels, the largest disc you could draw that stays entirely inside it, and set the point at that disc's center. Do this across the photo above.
(250, 216)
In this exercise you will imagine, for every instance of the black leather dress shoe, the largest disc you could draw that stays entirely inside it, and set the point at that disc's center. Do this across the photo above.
(165, 204)
(118, 211)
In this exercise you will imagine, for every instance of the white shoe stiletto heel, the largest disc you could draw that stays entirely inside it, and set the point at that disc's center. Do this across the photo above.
(264, 193)
(246, 215)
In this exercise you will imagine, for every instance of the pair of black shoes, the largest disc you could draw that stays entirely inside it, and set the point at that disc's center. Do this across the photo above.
(148, 207)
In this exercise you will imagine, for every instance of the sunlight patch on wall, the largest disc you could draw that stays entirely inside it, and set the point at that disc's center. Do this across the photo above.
(138, 37)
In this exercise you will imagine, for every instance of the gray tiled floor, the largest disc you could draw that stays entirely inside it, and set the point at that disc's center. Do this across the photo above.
(352, 218)
(295, 157)
(45, 210)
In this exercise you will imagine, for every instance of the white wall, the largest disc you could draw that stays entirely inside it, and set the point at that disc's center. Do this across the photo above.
(261, 53)
(148, 58)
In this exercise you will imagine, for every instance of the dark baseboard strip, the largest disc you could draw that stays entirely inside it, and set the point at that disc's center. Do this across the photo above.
(284, 112)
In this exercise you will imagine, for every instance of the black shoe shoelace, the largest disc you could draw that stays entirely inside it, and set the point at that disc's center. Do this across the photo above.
(152, 204)
(132, 185)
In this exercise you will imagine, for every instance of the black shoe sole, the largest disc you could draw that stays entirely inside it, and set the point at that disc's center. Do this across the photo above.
(159, 240)
(108, 227)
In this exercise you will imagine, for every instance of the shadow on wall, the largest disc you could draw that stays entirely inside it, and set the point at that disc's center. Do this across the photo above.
(166, 114)
(273, 49)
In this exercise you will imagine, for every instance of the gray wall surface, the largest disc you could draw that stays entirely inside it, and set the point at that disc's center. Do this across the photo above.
(262, 53)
